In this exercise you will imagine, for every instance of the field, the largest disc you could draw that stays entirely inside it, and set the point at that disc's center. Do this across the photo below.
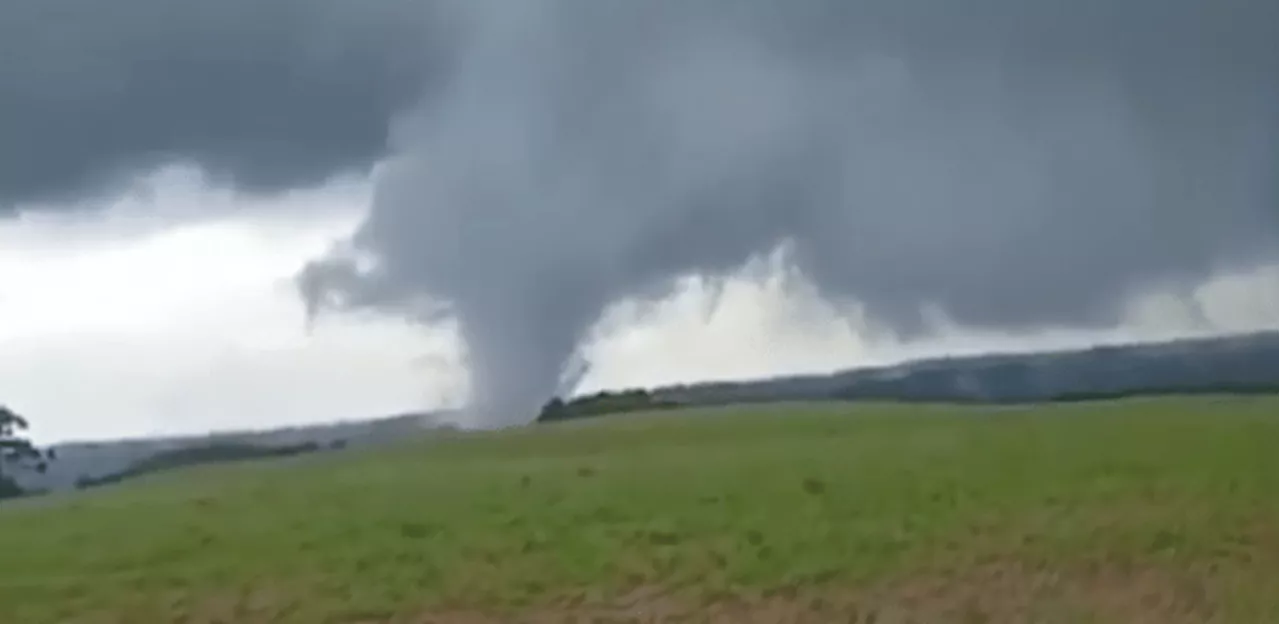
(1145, 510)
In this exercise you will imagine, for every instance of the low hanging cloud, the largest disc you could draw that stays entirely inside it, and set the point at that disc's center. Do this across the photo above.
(1012, 163)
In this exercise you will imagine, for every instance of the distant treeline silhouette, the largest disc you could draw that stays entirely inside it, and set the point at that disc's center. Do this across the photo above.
(602, 403)
(1243, 364)
(218, 452)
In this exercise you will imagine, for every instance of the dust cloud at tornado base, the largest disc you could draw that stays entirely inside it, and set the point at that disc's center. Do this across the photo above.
(1013, 164)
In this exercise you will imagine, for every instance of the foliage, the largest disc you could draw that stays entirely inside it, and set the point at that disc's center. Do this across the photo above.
(10, 488)
(1139, 498)
(1224, 365)
(602, 403)
(17, 452)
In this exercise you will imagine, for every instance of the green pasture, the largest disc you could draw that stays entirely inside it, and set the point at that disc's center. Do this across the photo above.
(1160, 510)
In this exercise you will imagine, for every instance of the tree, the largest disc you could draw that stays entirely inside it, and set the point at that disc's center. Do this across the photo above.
(17, 452)
(602, 403)
(554, 409)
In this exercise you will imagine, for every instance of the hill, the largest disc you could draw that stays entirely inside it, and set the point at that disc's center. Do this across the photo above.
(98, 462)
(1142, 510)
(1243, 363)
(1246, 363)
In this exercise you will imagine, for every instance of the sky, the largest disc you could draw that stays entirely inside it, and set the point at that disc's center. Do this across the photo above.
(256, 214)
(173, 311)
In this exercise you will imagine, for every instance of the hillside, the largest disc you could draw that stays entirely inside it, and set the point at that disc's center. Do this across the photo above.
(1241, 363)
(107, 460)
(1133, 511)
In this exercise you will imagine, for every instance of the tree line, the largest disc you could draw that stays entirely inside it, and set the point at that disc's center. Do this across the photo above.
(216, 452)
(17, 453)
(602, 403)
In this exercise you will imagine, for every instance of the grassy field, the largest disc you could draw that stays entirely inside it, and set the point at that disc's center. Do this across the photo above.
(1154, 510)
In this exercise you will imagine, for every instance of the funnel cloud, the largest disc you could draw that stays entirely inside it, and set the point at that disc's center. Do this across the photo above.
(1011, 163)
(1014, 164)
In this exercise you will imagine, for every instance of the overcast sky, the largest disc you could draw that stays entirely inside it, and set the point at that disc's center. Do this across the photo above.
(270, 212)
(173, 311)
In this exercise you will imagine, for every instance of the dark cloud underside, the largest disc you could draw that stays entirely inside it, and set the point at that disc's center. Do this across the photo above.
(1016, 163)
(264, 94)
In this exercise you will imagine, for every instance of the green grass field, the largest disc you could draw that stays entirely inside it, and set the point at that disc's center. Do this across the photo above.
(1152, 510)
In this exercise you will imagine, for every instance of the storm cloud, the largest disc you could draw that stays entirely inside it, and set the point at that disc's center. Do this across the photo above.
(1012, 163)
(264, 95)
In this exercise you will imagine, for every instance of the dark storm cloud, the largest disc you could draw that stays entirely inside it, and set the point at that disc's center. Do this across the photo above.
(263, 94)
(1016, 163)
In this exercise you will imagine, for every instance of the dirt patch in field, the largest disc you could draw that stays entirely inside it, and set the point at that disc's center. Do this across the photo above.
(989, 593)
